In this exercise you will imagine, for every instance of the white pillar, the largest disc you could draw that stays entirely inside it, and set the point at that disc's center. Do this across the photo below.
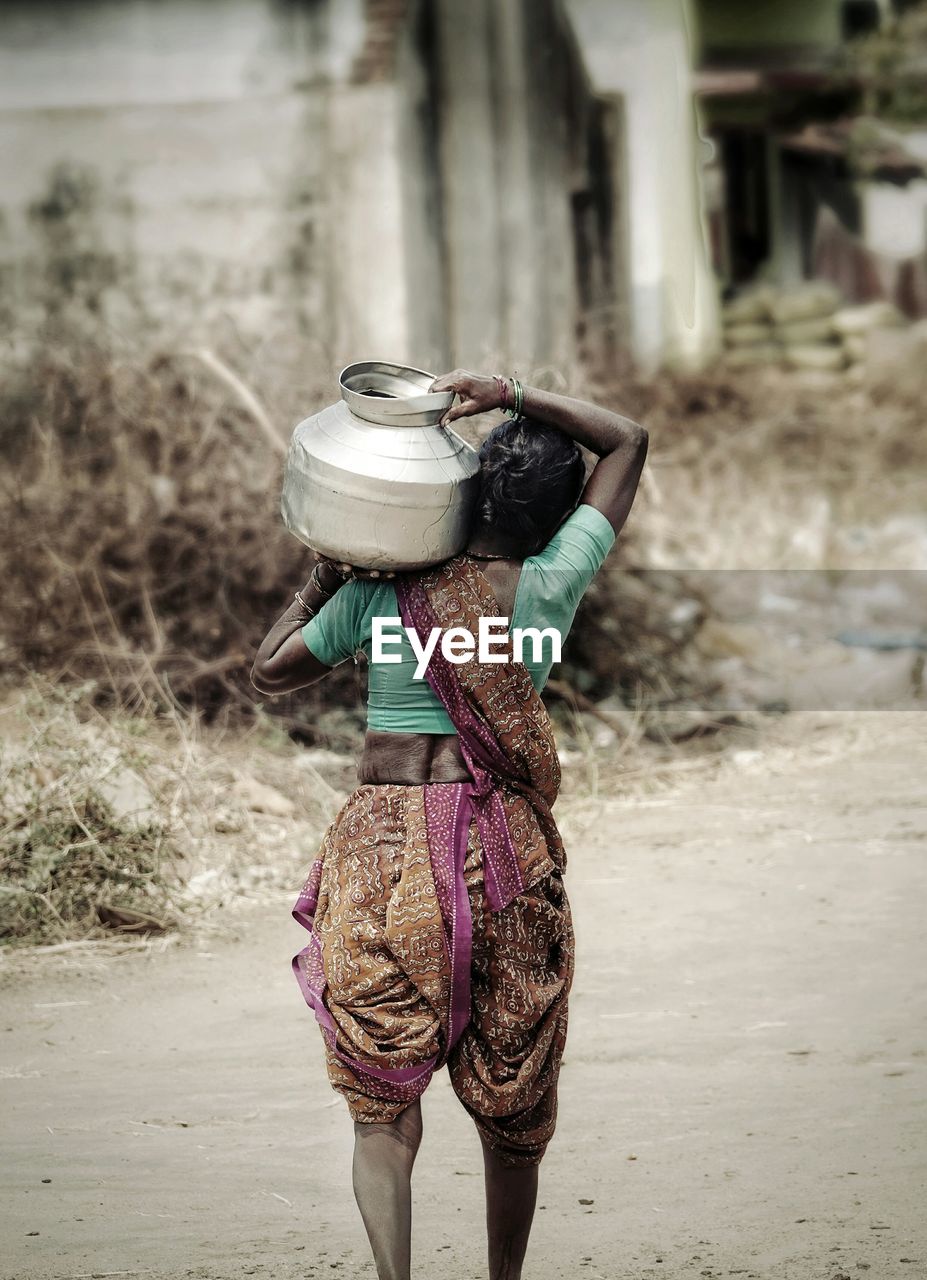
(365, 219)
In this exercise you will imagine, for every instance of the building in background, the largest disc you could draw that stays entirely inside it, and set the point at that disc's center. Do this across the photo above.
(519, 182)
(804, 182)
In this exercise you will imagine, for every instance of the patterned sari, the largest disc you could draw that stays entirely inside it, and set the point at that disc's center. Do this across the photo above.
(440, 931)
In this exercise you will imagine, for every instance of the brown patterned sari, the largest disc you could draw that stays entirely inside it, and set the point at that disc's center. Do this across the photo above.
(440, 931)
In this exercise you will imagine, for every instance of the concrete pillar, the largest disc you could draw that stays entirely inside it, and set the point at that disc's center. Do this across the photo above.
(469, 181)
(641, 51)
(506, 197)
(617, 327)
(424, 241)
(365, 223)
(688, 325)
(546, 52)
(516, 189)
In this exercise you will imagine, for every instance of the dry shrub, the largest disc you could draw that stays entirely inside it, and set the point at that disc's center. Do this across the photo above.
(761, 471)
(70, 869)
(775, 470)
(143, 545)
(144, 549)
(116, 824)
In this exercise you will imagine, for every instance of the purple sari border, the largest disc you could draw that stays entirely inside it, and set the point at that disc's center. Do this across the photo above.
(487, 762)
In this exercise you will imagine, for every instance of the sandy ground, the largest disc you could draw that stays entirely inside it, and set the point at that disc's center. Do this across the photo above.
(743, 1092)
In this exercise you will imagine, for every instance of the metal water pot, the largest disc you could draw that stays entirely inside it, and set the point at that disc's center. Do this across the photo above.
(374, 480)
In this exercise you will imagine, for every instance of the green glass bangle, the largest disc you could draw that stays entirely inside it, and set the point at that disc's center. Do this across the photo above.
(519, 397)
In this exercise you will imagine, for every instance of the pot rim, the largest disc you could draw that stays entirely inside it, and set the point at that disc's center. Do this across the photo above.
(423, 410)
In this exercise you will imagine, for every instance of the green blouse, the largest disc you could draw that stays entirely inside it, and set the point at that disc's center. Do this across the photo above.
(550, 587)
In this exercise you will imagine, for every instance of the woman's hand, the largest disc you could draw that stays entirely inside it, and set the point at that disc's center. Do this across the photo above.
(478, 393)
(332, 573)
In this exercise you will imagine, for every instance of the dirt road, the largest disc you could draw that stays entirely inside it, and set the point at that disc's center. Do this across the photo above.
(743, 1093)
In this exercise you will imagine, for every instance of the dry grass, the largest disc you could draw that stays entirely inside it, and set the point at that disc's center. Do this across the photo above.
(144, 550)
(143, 546)
(119, 826)
(71, 862)
(775, 470)
(126, 830)
(144, 558)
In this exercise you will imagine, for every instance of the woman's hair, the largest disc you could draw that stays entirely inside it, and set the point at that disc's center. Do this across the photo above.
(531, 476)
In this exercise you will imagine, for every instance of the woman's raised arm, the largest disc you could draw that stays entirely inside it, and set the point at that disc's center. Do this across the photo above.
(283, 662)
(619, 443)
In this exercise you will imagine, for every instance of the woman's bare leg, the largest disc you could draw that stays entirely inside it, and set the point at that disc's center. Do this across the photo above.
(511, 1194)
(383, 1158)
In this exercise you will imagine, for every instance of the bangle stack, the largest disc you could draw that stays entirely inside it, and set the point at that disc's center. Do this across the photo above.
(514, 408)
(519, 392)
(316, 579)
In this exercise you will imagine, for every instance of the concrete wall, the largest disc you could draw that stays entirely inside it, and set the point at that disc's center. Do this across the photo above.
(494, 114)
(640, 51)
(416, 179)
(192, 162)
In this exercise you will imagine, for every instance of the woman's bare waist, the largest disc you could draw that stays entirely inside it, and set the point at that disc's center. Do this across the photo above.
(412, 758)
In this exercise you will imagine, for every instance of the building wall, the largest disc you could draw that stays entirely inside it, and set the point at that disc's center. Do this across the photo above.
(499, 119)
(185, 162)
(375, 176)
(422, 180)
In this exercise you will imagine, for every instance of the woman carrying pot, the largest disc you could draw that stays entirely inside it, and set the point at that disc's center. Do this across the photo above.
(440, 930)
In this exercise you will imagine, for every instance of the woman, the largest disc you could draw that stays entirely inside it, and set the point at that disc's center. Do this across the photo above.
(439, 927)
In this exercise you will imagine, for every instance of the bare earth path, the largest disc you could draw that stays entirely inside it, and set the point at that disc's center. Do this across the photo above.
(744, 1091)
